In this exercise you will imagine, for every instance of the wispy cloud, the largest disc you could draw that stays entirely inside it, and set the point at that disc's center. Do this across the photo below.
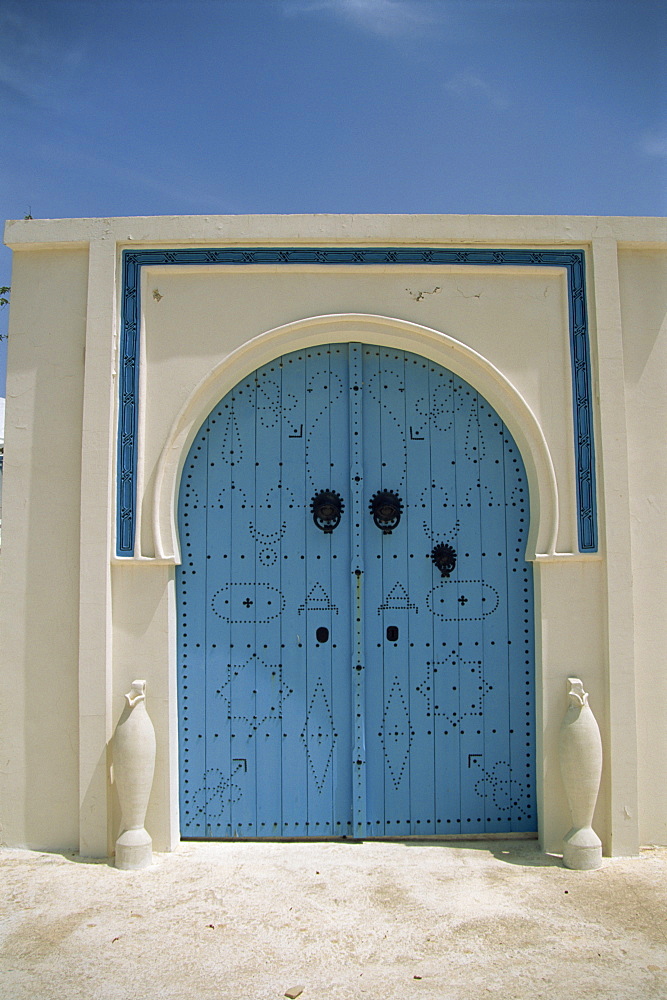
(383, 18)
(471, 86)
(654, 144)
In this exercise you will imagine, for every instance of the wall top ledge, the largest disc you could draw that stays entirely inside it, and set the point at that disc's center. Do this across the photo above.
(567, 557)
(541, 559)
(34, 234)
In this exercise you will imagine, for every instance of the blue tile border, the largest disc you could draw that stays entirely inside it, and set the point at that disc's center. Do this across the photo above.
(572, 260)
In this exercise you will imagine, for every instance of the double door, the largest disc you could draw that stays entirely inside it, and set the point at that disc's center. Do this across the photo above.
(355, 610)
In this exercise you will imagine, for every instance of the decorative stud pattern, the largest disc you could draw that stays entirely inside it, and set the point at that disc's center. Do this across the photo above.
(325, 390)
(231, 445)
(226, 690)
(395, 734)
(397, 600)
(318, 600)
(271, 403)
(385, 389)
(337, 684)
(229, 601)
(482, 598)
(318, 736)
(459, 671)
(215, 791)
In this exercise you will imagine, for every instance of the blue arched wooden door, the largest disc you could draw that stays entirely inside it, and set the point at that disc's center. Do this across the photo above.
(336, 678)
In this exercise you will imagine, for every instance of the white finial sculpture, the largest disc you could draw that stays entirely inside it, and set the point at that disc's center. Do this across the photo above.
(581, 767)
(134, 764)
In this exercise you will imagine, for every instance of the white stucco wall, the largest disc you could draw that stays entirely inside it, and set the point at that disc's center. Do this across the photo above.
(643, 294)
(39, 745)
(79, 624)
(2, 449)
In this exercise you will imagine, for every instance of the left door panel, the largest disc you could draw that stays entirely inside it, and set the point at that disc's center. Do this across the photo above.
(264, 608)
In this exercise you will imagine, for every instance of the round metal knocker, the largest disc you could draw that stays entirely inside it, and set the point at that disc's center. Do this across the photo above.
(327, 507)
(444, 557)
(386, 508)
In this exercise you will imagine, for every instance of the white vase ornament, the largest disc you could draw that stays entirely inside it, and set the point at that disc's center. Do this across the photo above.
(134, 764)
(581, 767)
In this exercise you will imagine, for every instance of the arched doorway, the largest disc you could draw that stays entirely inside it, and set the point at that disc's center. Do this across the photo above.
(348, 671)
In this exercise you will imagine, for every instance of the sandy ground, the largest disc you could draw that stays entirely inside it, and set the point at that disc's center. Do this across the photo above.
(380, 920)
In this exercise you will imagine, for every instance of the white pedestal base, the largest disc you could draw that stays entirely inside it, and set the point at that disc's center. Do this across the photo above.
(134, 850)
(582, 850)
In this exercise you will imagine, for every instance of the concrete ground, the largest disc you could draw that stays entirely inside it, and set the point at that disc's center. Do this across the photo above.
(380, 920)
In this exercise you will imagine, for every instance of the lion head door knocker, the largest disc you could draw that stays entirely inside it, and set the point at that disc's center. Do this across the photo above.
(327, 507)
(444, 557)
(386, 508)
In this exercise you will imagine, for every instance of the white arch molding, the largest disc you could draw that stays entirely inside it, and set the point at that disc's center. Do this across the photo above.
(383, 331)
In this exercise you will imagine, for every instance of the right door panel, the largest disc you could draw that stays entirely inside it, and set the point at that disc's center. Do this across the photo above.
(449, 649)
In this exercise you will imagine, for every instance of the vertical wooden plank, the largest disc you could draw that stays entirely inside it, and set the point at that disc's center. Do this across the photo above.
(468, 606)
(267, 529)
(425, 493)
(319, 607)
(241, 600)
(215, 563)
(191, 595)
(441, 520)
(373, 667)
(357, 664)
(321, 728)
(438, 635)
(341, 636)
(445, 404)
(493, 675)
(521, 707)
(395, 605)
(296, 515)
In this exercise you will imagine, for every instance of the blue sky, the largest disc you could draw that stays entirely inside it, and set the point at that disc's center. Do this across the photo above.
(156, 107)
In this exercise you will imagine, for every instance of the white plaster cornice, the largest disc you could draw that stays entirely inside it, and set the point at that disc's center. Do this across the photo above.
(363, 230)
